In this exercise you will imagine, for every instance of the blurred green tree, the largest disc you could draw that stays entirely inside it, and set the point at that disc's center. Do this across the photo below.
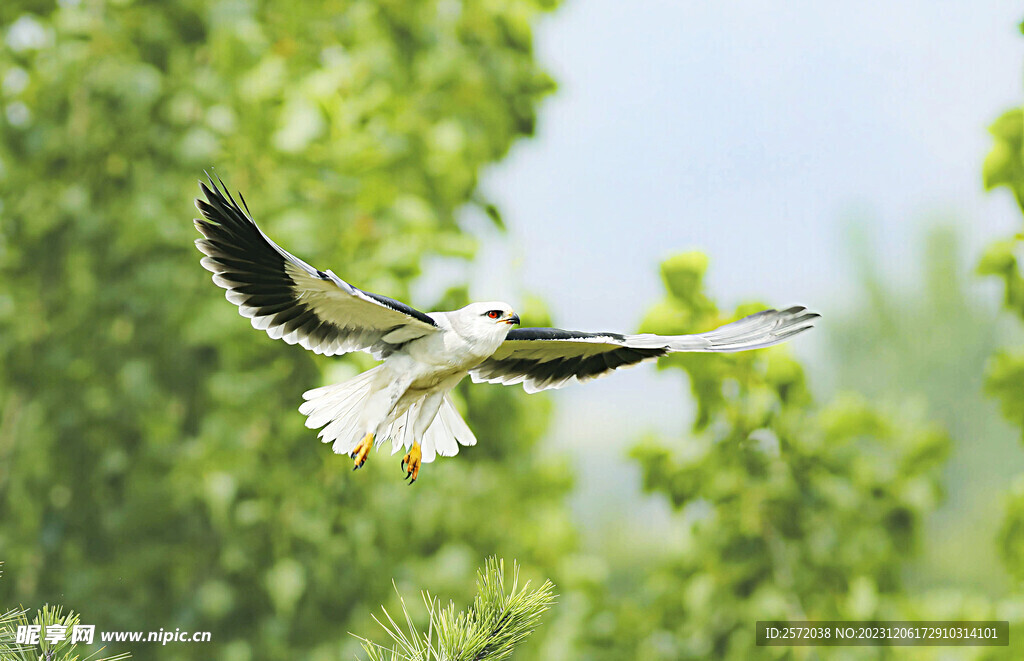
(1004, 167)
(154, 471)
(925, 342)
(786, 509)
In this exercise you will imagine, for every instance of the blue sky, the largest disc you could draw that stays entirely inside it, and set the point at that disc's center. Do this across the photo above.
(752, 133)
(755, 131)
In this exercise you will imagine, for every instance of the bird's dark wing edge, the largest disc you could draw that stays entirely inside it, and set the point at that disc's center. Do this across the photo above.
(288, 298)
(543, 358)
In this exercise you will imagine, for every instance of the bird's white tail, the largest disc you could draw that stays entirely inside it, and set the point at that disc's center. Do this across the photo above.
(337, 409)
(443, 437)
(338, 406)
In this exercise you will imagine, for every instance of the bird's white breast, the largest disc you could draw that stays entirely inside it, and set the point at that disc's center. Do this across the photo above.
(441, 356)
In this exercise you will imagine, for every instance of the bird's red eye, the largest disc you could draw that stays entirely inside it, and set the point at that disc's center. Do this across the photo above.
(494, 314)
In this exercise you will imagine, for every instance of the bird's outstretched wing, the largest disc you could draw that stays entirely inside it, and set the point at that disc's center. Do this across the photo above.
(290, 299)
(542, 358)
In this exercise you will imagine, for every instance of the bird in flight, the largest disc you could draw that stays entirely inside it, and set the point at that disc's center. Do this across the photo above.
(423, 355)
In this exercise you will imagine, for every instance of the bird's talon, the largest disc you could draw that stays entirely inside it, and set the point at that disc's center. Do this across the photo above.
(361, 451)
(411, 463)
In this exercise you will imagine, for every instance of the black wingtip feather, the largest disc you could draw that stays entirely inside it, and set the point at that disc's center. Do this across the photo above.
(242, 198)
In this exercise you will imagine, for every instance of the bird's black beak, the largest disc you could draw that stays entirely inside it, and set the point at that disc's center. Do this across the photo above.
(512, 319)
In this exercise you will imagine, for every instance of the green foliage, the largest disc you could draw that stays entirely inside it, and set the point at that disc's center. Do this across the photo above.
(923, 343)
(9, 619)
(787, 509)
(1006, 382)
(63, 650)
(489, 630)
(1011, 535)
(1004, 167)
(1000, 261)
(10, 649)
(153, 468)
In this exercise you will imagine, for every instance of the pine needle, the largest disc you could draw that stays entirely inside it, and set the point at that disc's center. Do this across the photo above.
(489, 630)
(65, 650)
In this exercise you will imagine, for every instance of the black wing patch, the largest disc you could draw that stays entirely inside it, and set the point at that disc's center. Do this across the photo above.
(558, 334)
(542, 358)
(288, 298)
(398, 306)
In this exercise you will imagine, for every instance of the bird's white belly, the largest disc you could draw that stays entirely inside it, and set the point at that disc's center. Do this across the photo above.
(438, 357)
(430, 365)
(421, 381)
(424, 376)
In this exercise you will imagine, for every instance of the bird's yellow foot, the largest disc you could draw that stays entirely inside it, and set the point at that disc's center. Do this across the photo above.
(361, 450)
(411, 463)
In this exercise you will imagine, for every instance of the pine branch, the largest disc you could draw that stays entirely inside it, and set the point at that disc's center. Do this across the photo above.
(64, 650)
(9, 648)
(489, 630)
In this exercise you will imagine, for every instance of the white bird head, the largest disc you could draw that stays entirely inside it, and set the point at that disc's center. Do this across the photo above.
(487, 323)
